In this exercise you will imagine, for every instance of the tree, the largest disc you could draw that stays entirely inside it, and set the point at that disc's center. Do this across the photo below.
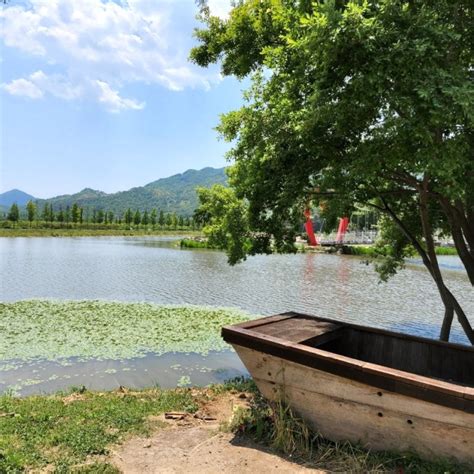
(367, 103)
(224, 220)
(110, 216)
(60, 215)
(145, 218)
(174, 221)
(137, 218)
(100, 216)
(31, 211)
(75, 213)
(161, 219)
(67, 215)
(153, 215)
(46, 212)
(14, 213)
(128, 216)
(52, 215)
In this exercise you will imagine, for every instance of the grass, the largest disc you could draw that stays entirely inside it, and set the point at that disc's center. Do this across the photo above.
(277, 426)
(446, 251)
(195, 244)
(83, 232)
(65, 431)
(74, 432)
(373, 251)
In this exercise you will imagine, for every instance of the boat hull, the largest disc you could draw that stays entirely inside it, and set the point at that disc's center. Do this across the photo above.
(343, 409)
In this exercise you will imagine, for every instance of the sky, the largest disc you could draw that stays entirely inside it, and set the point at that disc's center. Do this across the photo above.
(100, 94)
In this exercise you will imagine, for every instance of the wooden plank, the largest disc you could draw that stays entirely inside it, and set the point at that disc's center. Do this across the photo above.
(339, 420)
(254, 323)
(436, 342)
(296, 330)
(282, 372)
(444, 393)
(343, 409)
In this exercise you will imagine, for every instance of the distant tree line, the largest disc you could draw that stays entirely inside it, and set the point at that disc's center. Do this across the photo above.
(77, 216)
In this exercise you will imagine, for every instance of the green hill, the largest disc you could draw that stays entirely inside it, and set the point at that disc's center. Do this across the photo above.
(173, 194)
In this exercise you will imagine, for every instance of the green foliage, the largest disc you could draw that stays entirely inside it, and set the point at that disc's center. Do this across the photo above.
(446, 251)
(137, 218)
(128, 216)
(31, 211)
(224, 218)
(349, 102)
(14, 213)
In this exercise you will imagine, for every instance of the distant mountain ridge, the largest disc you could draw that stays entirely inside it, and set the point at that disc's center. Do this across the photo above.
(15, 195)
(176, 193)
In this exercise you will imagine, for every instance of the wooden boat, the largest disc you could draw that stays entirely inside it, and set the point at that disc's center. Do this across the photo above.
(386, 390)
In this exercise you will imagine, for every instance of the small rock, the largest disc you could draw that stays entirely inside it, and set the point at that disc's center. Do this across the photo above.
(147, 444)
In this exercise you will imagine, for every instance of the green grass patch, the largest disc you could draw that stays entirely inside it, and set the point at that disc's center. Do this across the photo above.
(275, 425)
(446, 251)
(56, 330)
(195, 244)
(365, 250)
(374, 251)
(66, 430)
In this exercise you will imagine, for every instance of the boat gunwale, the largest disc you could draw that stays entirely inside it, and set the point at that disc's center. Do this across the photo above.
(400, 335)
(405, 383)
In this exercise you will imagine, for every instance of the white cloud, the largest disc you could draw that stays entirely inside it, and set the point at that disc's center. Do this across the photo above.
(113, 101)
(23, 87)
(96, 47)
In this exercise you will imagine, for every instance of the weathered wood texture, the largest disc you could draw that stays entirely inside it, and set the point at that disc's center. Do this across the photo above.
(442, 392)
(343, 409)
(418, 357)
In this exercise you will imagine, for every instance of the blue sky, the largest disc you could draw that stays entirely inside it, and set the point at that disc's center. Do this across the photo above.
(100, 94)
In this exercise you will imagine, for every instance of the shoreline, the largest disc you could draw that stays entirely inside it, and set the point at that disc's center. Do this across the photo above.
(357, 250)
(227, 427)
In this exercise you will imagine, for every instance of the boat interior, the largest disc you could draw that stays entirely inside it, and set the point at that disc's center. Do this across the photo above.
(430, 358)
(401, 352)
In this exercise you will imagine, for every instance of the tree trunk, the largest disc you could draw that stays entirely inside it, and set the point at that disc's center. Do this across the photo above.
(463, 240)
(449, 301)
(448, 298)
(447, 323)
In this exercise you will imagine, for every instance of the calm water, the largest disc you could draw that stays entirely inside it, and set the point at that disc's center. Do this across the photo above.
(153, 269)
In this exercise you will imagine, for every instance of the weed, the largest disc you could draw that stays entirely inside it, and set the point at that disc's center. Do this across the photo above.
(276, 425)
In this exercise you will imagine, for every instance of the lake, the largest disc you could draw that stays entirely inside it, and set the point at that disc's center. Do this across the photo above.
(153, 269)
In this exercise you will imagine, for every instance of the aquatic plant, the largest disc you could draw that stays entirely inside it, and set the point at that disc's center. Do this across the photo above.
(59, 330)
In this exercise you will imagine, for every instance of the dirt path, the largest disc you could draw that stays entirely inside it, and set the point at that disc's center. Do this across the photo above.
(195, 445)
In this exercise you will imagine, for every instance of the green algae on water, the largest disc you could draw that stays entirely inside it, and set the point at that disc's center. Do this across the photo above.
(55, 330)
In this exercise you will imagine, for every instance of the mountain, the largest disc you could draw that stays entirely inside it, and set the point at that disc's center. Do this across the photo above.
(15, 195)
(173, 194)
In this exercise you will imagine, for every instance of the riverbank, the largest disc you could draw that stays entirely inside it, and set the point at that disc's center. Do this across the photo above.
(221, 428)
(372, 251)
(79, 232)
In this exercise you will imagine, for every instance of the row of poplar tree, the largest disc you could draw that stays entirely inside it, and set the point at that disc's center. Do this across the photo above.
(79, 215)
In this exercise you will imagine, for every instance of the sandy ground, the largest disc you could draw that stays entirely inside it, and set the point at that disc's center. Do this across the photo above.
(197, 444)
